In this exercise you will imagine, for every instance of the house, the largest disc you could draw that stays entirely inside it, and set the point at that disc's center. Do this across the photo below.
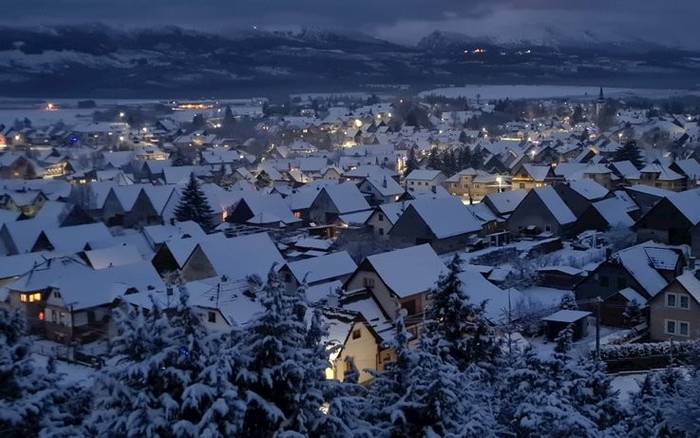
(335, 200)
(674, 313)
(645, 196)
(689, 168)
(646, 268)
(673, 220)
(254, 254)
(70, 240)
(662, 177)
(398, 279)
(614, 307)
(381, 191)
(626, 170)
(424, 179)
(504, 203)
(262, 209)
(384, 217)
(529, 176)
(562, 319)
(475, 184)
(445, 223)
(317, 270)
(542, 210)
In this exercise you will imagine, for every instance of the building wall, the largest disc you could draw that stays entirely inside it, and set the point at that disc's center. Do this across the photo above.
(377, 225)
(322, 209)
(659, 313)
(386, 299)
(605, 281)
(532, 211)
(198, 267)
(364, 351)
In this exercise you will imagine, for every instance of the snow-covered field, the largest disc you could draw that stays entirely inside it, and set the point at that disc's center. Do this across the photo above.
(491, 92)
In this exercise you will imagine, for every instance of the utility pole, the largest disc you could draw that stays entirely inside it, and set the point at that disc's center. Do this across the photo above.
(598, 302)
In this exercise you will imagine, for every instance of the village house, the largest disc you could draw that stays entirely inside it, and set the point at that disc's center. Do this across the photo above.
(529, 176)
(381, 190)
(335, 200)
(475, 184)
(542, 211)
(424, 179)
(673, 220)
(674, 313)
(445, 223)
(662, 177)
(317, 270)
(384, 217)
(399, 279)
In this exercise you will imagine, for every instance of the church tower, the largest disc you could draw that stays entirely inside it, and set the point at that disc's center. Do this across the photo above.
(600, 103)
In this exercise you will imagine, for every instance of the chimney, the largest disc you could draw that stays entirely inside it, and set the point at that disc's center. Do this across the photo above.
(433, 189)
(691, 264)
(384, 183)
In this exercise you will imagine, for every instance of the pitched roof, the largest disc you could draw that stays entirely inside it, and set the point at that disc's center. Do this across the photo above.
(423, 174)
(589, 189)
(346, 197)
(446, 217)
(408, 271)
(315, 269)
(506, 202)
(555, 204)
(254, 254)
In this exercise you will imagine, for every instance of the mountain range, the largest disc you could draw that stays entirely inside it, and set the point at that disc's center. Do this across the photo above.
(99, 61)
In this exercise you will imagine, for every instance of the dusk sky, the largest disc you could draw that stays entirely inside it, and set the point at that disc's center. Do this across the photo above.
(670, 22)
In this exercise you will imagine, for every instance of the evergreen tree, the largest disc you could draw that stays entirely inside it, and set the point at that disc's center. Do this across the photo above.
(198, 122)
(152, 384)
(285, 381)
(629, 151)
(577, 116)
(465, 158)
(592, 395)
(26, 392)
(411, 162)
(456, 328)
(194, 206)
(568, 302)
(651, 405)
(477, 160)
(228, 124)
(434, 159)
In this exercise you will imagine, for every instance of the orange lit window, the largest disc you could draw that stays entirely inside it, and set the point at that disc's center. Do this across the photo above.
(35, 297)
(23, 298)
(41, 316)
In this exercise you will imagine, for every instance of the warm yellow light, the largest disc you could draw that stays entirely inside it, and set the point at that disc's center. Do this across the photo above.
(358, 123)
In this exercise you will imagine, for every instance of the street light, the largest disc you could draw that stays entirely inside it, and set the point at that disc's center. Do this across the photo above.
(499, 180)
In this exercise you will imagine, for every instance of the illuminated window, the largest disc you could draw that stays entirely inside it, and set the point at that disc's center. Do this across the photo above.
(35, 297)
(23, 298)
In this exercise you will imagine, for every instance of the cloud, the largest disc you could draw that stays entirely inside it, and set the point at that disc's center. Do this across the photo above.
(399, 20)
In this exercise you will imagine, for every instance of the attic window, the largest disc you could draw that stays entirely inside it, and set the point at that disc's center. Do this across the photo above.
(211, 316)
(356, 334)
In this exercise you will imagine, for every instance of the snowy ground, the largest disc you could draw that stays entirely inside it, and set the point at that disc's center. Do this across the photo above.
(627, 384)
(71, 374)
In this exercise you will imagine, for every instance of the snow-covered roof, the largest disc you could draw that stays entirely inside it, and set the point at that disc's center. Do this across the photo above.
(315, 269)
(643, 260)
(115, 256)
(270, 204)
(614, 211)
(690, 283)
(690, 167)
(446, 217)
(157, 234)
(555, 204)
(589, 189)
(423, 174)
(385, 186)
(479, 290)
(626, 169)
(346, 197)
(567, 316)
(688, 203)
(254, 254)
(537, 172)
(633, 296)
(408, 271)
(506, 202)
(73, 239)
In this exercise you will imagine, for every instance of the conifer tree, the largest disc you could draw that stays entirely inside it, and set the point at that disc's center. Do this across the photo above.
(26, 392)
(411, 162)
(285, 381)
(194, 206)
(434, 160)
(456, 327)
(630, 152)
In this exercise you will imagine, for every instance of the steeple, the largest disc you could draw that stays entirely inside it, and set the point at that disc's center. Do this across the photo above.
(601, 97)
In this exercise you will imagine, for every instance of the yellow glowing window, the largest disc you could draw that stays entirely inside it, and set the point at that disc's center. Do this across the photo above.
(35, 297)
(23, 298)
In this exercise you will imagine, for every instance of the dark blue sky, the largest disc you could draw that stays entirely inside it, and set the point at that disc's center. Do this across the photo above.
(668, 21)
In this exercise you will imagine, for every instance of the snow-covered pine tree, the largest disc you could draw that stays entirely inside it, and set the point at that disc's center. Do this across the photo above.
(650, 406)
(194, 206)
(285, 381)
(150, 385)
(454, 326)
(568, 302)
(629, 152)
(411, 161)
(26, 390)
(592, 394)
